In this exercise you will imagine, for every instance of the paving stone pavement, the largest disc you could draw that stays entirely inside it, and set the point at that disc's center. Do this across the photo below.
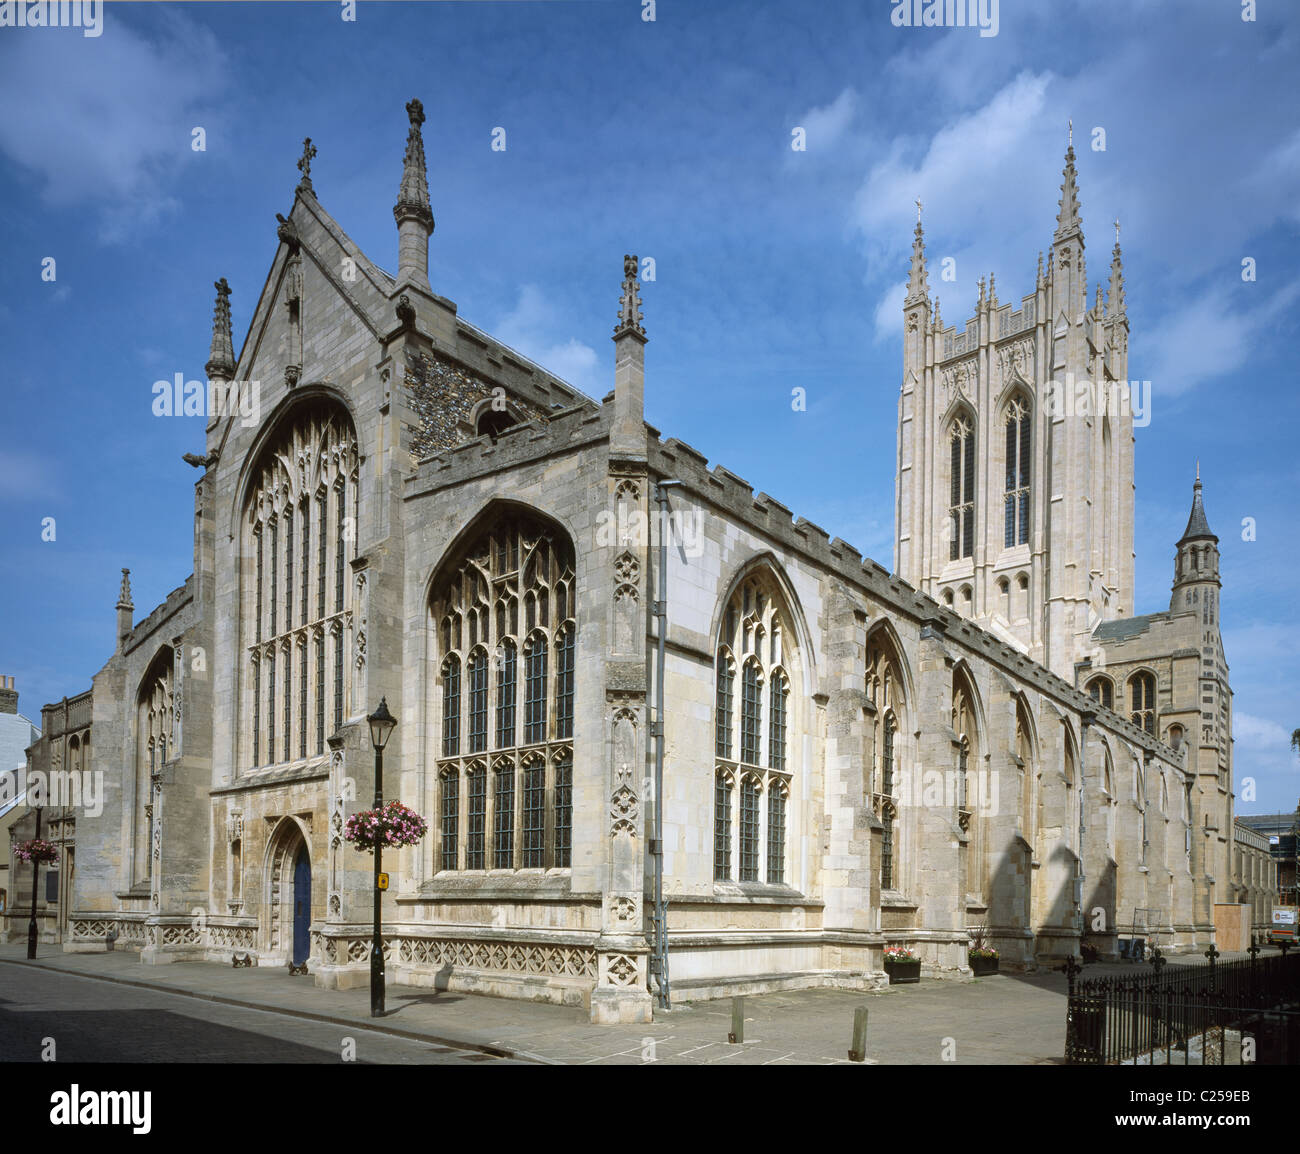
(1002, 1019)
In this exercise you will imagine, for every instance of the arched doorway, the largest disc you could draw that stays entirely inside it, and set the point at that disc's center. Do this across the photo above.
(286, 921)
(301, 906)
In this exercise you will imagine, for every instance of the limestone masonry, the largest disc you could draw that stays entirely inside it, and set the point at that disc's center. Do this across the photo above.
(852, 758)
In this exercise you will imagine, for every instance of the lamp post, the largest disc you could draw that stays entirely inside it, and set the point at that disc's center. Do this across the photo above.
(382, 724)
(36, 868)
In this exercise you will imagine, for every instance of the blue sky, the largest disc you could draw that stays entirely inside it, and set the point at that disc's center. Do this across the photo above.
(670, 138)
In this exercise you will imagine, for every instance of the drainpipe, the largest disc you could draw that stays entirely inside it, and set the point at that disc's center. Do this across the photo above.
(1086, 719)
(659, 955)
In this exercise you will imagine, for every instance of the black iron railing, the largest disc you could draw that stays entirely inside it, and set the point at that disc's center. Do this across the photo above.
(1239, 1012)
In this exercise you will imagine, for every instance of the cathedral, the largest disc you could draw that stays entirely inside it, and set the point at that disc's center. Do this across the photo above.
(565, 612)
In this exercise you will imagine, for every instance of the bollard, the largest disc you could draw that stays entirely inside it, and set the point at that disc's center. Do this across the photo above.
(859, 1051)
(737, 1034)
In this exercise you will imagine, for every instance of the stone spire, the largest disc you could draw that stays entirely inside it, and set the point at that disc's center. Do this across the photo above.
(627, 436)
(125, 608)
(1198, 528)
(918, 286)
(1038, 278)
(1068, 220)
(412, 213)
(221, 358)
(1115, 299)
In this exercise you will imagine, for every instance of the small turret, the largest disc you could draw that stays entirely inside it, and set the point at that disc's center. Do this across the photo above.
(1196, 568)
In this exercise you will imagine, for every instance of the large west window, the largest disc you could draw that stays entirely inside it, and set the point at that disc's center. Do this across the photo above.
(506, 636)
(293, 643)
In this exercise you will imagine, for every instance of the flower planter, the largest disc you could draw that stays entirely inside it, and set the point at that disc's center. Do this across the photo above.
(902, 972)
(981, 967)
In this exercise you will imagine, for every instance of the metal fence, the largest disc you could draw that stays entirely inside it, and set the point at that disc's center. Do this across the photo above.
(1236, 1013)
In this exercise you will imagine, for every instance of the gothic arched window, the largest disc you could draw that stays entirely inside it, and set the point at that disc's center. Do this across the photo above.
(504, 603)
(310, 459)
(1102, 691)
(754, 641)
(1142, 701)
(961, 480)
(154, 720)
(1016, 500)
(884, 690)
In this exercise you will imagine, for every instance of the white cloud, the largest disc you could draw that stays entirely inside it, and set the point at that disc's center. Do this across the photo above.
(969, 166)
(889, 313)
(1209, 336)
(826, 124)
(1259, 733)
(114, 129)
(531, 329)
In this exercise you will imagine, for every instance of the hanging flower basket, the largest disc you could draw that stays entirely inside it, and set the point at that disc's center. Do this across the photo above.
(36, 849)
(392, 827)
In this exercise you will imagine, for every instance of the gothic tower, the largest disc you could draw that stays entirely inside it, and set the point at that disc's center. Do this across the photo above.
(1014, 491)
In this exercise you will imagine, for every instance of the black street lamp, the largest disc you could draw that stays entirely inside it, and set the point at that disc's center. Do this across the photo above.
(36, 867)
(382, 724)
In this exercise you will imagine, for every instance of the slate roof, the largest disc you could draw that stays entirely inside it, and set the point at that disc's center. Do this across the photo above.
(1126, 628)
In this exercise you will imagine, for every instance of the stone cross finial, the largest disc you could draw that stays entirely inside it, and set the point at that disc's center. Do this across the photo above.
(304, 163)
(918, 210)
(629, 304)
(1071, 123)
(1117, 230)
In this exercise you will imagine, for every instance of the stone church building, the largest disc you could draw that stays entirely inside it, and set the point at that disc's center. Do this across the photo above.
(851, 758)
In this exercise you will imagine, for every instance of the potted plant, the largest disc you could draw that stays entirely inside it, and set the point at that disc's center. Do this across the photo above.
(902, 965)
(36, 849)
(981, 954)
(394, 826)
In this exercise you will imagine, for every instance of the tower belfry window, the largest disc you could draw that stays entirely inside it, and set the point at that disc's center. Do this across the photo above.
(961, 505)
(1016, 501)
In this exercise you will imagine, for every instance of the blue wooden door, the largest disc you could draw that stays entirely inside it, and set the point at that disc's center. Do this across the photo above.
(301, 906)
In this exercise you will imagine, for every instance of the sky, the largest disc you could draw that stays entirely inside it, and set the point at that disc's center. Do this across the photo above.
(672, 138)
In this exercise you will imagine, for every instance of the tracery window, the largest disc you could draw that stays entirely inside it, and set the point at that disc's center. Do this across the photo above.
(1142, 701)
(502, 614)
(1016, 499)
(311, 458)
(1102, 691)
(961, 504)
(753, 643)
